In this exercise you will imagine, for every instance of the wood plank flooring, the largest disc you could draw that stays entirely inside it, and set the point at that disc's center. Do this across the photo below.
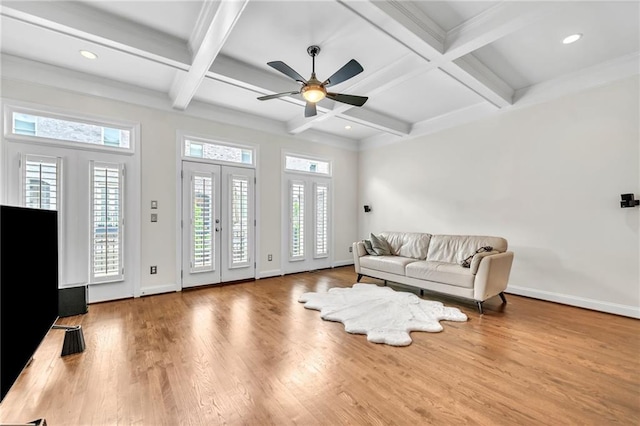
(251, 354)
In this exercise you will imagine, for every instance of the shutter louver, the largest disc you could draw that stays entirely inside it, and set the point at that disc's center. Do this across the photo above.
(202, 249)
(106, 226)
(297, 220)
(321, 234)
(240, 220)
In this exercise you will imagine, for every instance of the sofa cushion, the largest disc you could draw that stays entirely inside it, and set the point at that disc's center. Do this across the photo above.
(408, 244)
(380, 245)
(441, 272)
(455, 248)
(390, 264)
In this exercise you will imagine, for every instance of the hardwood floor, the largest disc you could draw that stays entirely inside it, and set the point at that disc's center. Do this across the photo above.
(251, 354)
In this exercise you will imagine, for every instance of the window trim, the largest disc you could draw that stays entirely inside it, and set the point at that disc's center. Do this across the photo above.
(183, 137)
(286, 154)
(11, 107)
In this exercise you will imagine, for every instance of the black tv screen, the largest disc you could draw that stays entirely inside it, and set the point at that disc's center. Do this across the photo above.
(28, 286)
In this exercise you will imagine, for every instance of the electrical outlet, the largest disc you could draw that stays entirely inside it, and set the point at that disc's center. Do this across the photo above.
(350, 249)
(154, 270)
(269, 257)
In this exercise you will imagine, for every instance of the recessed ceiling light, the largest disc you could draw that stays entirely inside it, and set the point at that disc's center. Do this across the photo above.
(347, 127)
(88, 55)
(572, 38)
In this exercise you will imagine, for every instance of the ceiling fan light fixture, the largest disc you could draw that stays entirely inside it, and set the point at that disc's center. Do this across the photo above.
(314, 93)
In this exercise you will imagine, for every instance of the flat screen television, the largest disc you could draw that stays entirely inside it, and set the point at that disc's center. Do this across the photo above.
(28, 286)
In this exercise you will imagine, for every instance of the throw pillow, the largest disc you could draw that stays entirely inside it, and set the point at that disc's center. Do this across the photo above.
(380, 245)
(466, 263)
(369, 248)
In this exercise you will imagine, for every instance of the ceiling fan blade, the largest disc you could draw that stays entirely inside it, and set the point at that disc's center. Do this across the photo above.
(348, 99)
(286, 70)
(277, 95)
(350, 69)
(310, 109)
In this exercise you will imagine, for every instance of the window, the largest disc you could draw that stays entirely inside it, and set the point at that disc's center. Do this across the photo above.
(69, 130)
(239, 221)
(202, 210)
(40, 182)
(296, 194)
(218, 152)
(309, 165)
(24, 124)
(106, 222)
(321, 222)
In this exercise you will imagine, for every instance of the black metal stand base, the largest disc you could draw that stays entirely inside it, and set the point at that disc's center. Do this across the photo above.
(73, 339)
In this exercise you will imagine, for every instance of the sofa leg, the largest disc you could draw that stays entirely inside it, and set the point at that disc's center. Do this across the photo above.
(385, 282)
(479, 303)
(502, 296)
(359, 277)
(421, 292)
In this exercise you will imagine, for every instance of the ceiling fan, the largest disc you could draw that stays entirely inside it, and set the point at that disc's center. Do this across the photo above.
(313, 90)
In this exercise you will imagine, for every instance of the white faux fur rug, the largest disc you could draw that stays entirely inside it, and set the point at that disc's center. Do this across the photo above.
(383, 314)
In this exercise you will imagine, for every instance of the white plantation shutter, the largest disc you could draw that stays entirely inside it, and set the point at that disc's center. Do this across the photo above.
(40, 182)
(107, 183)
(321, 220)
(239, 221)
(296, 212)
(202, 212)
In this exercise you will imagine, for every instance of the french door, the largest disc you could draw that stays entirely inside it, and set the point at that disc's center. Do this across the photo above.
(89, 191)
(218, 223)
(306, 223)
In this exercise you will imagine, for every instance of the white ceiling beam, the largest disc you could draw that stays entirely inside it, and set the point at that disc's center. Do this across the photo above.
(393, 18)
(493, 24)
(86, 23)
(404, 22)
(231, 71)
(378, 121)
(479, 78)
(218, 23)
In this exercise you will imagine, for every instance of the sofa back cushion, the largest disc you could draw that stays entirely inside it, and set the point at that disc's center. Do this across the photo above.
(408, 244)
(455, 248)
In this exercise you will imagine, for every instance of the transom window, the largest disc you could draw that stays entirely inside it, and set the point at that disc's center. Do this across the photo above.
(49, 127)
(308, 165)
(217, 151)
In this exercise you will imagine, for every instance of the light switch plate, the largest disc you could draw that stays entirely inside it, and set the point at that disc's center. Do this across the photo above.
(154, 204)
(154, 217)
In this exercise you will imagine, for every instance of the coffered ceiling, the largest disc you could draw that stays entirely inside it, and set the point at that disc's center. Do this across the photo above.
(428, 65)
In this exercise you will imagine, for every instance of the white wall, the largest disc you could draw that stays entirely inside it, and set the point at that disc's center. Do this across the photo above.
(158, 177)
(548, 178)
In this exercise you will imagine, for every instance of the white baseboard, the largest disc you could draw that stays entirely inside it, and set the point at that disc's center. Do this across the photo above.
(581, 302)
(168, 288)
(339, 263)
(268, 274)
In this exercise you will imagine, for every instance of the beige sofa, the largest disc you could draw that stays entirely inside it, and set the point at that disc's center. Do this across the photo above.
(433, 262)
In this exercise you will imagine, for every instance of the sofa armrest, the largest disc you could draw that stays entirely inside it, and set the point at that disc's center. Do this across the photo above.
(492, 277)
(358, 251)
(477, 258)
